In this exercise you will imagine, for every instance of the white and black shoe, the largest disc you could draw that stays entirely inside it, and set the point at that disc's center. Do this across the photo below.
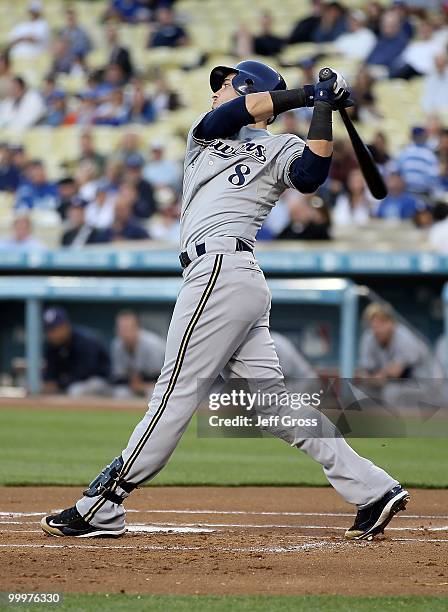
(372, 521)
(70, 523)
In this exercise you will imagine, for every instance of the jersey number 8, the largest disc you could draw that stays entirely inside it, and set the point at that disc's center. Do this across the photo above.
(239, 177)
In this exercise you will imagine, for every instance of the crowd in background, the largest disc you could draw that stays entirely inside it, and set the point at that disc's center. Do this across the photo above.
(135, 193)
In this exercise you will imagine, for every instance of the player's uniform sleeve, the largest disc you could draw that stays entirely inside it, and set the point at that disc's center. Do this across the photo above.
(292, 150)
(300, 168)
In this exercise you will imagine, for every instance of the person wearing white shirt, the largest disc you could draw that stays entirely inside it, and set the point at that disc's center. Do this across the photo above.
(32, 37)
(435, 88)
(23, 107)
(358, 41)
(100, 212)
(22, 240)
(160, 171)
(418, 57)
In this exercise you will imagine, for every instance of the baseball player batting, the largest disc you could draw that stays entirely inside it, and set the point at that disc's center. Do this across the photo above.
(235, 171)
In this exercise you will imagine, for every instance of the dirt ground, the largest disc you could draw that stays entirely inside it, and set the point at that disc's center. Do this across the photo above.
(216, 540)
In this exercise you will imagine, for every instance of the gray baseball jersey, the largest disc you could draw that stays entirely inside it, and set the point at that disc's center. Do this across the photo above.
(231, 185)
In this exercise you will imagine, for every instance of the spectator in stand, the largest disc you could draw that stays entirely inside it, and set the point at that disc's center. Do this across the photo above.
(19, 158)
(435, 88)
(111, 78)
(309, 219)
(161, 172)
(167, 33)
(9, 173)
(363, 96)
(56, 109)
(5, 74)
(22, 240)
(128, 145)
(64, 60)
(100, 212)
(128, 11)
(114, 111)
(88, 151)
(137, 356)
(343, 162)
(402, 9)
(146, 204)
(438, 234)
(418, 57)
(86, 175)
(389, 350)
(67, 191)
(418, 165)
(124, 226)
(374, 11)
(22, 108)
(358, 42)
(267, 43)
(114, 173)
(331, 24)
(398, 204)
(36, 192)
(303, 30)
(77, 37)
(164, 98)
(354, 206)
(164, 225)
(76, 361)
(141, 107)
(118, 54)
(391, 42)
(86, 112)
(78, 233)
(379, 149)
(30, 38)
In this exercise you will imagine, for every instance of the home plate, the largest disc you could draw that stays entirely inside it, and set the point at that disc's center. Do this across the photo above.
(173, 529)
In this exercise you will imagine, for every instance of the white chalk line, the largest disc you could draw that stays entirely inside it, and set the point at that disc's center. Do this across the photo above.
(242, 512)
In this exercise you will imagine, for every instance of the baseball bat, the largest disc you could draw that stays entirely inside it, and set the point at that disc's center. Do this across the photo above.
(367, 165)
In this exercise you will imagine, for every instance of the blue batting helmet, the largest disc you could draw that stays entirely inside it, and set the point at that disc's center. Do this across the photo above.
(250, 77)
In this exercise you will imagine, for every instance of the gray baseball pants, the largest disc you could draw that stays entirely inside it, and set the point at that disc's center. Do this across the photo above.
(221, 318)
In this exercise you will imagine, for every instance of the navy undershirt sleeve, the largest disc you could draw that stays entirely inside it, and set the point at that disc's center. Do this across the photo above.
(224, 121)
(309, 172)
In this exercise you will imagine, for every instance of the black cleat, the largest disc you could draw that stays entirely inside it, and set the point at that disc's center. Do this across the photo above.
(70, 523)
(371, 521)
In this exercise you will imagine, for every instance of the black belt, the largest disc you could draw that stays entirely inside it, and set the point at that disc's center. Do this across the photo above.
(201, 250)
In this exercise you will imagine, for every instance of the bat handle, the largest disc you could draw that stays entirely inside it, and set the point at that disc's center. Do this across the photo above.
(325, 74)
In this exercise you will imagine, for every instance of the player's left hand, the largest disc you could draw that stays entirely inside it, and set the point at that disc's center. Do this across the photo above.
(332, 88)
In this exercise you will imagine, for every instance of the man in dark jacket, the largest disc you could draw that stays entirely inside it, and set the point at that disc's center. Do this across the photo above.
(76, 361)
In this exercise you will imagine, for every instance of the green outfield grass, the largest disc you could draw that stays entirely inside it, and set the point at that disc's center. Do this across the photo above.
(68, 447)
(318, 603)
